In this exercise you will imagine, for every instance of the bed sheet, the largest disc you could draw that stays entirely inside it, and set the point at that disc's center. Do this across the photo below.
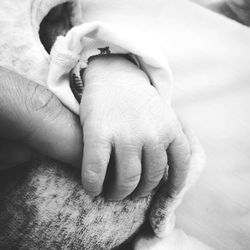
(213, 96)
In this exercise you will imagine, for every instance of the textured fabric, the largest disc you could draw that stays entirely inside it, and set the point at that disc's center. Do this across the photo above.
(43, 206)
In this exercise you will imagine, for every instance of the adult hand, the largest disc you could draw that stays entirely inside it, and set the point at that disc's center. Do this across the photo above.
(33, 119)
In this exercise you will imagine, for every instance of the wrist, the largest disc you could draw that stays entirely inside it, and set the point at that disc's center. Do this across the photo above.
(119, 69)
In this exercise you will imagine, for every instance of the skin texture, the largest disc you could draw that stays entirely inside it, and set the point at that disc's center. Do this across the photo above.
(43, 206)
(120, 113)
(33, 119)
(127, 129)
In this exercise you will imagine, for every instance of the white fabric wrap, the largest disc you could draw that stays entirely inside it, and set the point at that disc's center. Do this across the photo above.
(83, 41)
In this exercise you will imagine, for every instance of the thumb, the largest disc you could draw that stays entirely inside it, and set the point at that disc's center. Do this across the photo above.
(31, 114)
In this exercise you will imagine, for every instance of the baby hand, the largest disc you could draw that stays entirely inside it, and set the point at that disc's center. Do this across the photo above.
(127, 123)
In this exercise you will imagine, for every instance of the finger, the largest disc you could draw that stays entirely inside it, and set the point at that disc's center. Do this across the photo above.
(127, 171)
(154, 165)
(184, 152)
(96, 155)
(12, 153)
(32, 115)
(179, 153)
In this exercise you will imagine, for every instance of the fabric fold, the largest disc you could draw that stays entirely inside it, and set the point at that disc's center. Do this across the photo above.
(89, 39)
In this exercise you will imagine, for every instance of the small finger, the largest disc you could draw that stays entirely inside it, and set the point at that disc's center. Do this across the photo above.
(179, 153)
(96, 155)
(127, 171)
(154, 165)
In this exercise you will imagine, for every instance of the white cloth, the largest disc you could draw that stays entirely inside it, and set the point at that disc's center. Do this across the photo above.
(84, 41)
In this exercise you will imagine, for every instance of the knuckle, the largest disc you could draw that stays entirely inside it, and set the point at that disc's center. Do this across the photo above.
(152, 140)
(41, 100)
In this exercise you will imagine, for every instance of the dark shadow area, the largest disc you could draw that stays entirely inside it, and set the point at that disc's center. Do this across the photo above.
(56, 23)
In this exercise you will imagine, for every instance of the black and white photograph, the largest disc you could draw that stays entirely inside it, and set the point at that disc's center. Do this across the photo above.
(124, 124)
